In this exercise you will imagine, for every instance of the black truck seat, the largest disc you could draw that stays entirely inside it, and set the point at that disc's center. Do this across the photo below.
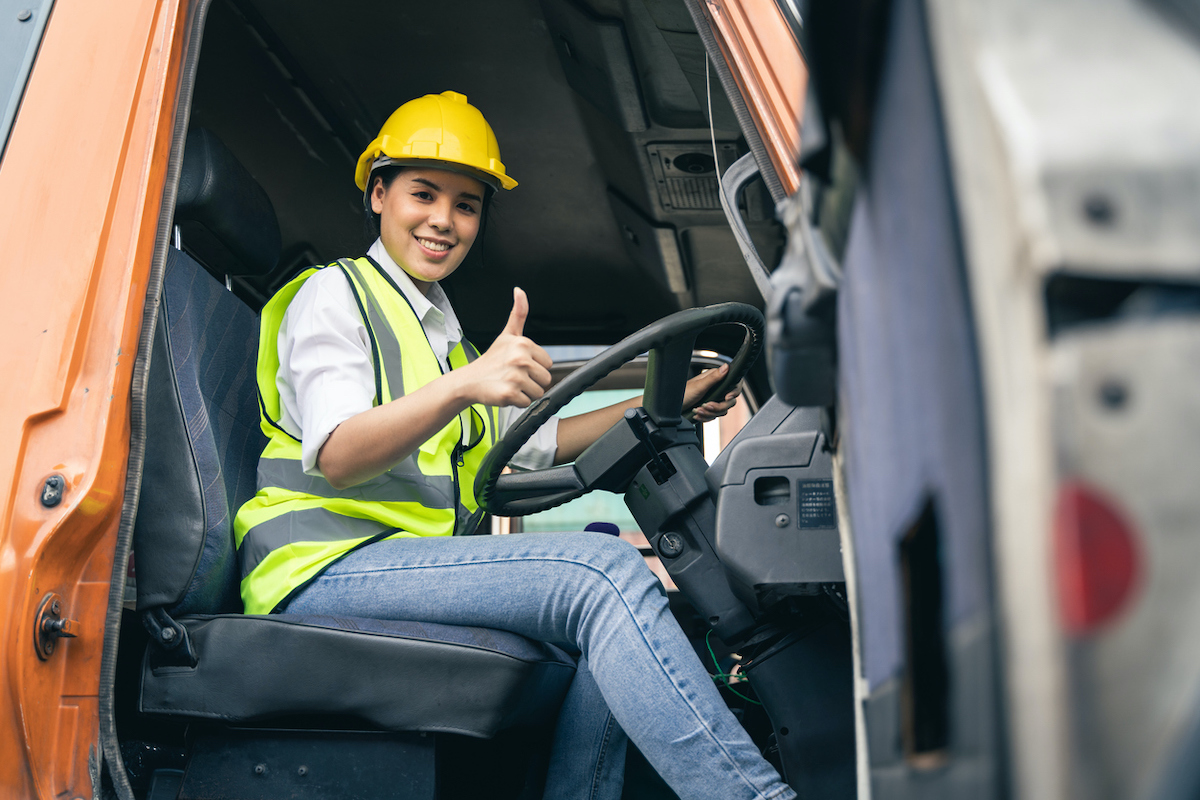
(206, 659)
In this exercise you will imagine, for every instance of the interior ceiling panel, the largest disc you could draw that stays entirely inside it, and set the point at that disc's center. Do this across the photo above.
(296, 88)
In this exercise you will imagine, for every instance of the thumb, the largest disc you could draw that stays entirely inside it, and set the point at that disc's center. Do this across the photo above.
(520, 310)
(715, 375)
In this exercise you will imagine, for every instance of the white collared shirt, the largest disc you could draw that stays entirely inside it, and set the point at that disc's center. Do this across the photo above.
(325, 371)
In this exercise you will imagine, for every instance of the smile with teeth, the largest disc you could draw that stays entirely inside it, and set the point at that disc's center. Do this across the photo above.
(437, 247)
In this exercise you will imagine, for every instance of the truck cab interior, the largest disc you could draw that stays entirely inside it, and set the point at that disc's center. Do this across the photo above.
(608, 116)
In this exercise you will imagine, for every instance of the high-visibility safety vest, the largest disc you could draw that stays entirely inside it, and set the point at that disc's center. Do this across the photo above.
(297, 525)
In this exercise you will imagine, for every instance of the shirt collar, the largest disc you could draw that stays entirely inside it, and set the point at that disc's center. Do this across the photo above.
(428, 307)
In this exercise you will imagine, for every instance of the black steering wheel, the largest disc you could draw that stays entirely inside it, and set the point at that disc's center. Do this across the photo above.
(670, 342)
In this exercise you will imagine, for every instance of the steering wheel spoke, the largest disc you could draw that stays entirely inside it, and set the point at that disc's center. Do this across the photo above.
(518, 488)
(666, 380)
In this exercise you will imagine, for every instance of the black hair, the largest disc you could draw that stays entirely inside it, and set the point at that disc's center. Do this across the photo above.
(388, 175)
(370, 218)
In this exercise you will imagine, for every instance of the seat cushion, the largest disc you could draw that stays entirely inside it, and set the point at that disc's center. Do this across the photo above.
(397, 675)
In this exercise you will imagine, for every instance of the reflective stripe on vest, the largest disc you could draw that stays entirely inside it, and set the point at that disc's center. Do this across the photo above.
(298, 524)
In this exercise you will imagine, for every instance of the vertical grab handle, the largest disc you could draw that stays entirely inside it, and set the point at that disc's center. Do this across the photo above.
(733, 182)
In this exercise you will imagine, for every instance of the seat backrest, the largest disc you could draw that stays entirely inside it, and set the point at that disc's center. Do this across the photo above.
(225, 218)
(202, 435)
(202, 444)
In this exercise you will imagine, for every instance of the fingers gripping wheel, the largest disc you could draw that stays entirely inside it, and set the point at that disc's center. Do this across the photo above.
(670, 342)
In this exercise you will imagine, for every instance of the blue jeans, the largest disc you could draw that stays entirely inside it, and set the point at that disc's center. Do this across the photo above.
(591, 593)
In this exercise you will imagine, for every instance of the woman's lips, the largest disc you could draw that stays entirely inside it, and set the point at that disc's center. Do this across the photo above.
(430, 252)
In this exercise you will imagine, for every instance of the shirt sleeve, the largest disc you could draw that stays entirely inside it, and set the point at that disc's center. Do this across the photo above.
(326, 375)
(539, 451)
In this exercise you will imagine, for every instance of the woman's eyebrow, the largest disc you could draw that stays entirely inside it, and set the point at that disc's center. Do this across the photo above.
(436, 188)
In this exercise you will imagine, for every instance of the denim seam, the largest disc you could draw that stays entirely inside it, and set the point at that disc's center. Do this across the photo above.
(603, 754)
(678, 690)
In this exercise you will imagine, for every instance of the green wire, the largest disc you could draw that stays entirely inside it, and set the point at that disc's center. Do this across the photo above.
(725, 676)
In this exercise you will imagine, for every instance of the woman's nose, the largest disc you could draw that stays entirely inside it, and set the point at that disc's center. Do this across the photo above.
(439, 216)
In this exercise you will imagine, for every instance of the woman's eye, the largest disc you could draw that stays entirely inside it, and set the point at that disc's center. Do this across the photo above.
(467, 207)
(423, 195)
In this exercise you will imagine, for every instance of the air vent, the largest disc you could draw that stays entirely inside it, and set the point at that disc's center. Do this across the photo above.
(686, 175)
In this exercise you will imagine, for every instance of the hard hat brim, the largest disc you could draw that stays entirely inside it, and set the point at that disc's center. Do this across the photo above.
(491, 181)
(368, 162)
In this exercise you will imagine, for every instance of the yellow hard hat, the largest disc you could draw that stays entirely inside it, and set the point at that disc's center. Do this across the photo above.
(437, 127)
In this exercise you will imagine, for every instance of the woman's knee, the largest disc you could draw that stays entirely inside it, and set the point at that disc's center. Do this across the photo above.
(623, 565)
(618, 585)
(612, 554)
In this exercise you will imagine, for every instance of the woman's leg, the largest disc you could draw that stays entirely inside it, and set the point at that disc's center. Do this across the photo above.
(588, 591)
(587, 760)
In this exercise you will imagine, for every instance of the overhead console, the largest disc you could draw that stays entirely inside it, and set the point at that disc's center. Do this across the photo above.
(639, 71)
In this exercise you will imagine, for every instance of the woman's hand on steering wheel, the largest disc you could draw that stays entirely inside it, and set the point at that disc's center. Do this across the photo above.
(699, 387)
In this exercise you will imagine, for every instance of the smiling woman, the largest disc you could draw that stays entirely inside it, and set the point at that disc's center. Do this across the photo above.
(379, 414)
(210, 179)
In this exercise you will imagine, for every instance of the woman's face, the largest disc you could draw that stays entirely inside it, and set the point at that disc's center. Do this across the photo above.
(428, 220)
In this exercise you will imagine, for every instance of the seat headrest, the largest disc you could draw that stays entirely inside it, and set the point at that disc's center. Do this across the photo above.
(225, 218)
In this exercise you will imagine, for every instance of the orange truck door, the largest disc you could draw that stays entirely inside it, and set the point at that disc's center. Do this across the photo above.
(764, 72)
(81, 184)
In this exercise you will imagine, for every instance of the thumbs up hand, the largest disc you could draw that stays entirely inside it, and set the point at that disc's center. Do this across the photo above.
(514, 371)
(516, 318)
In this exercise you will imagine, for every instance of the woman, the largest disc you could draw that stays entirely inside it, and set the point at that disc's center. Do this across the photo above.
(379, 414)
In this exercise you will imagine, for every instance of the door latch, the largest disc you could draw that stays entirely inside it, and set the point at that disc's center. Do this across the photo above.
(50, 626)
